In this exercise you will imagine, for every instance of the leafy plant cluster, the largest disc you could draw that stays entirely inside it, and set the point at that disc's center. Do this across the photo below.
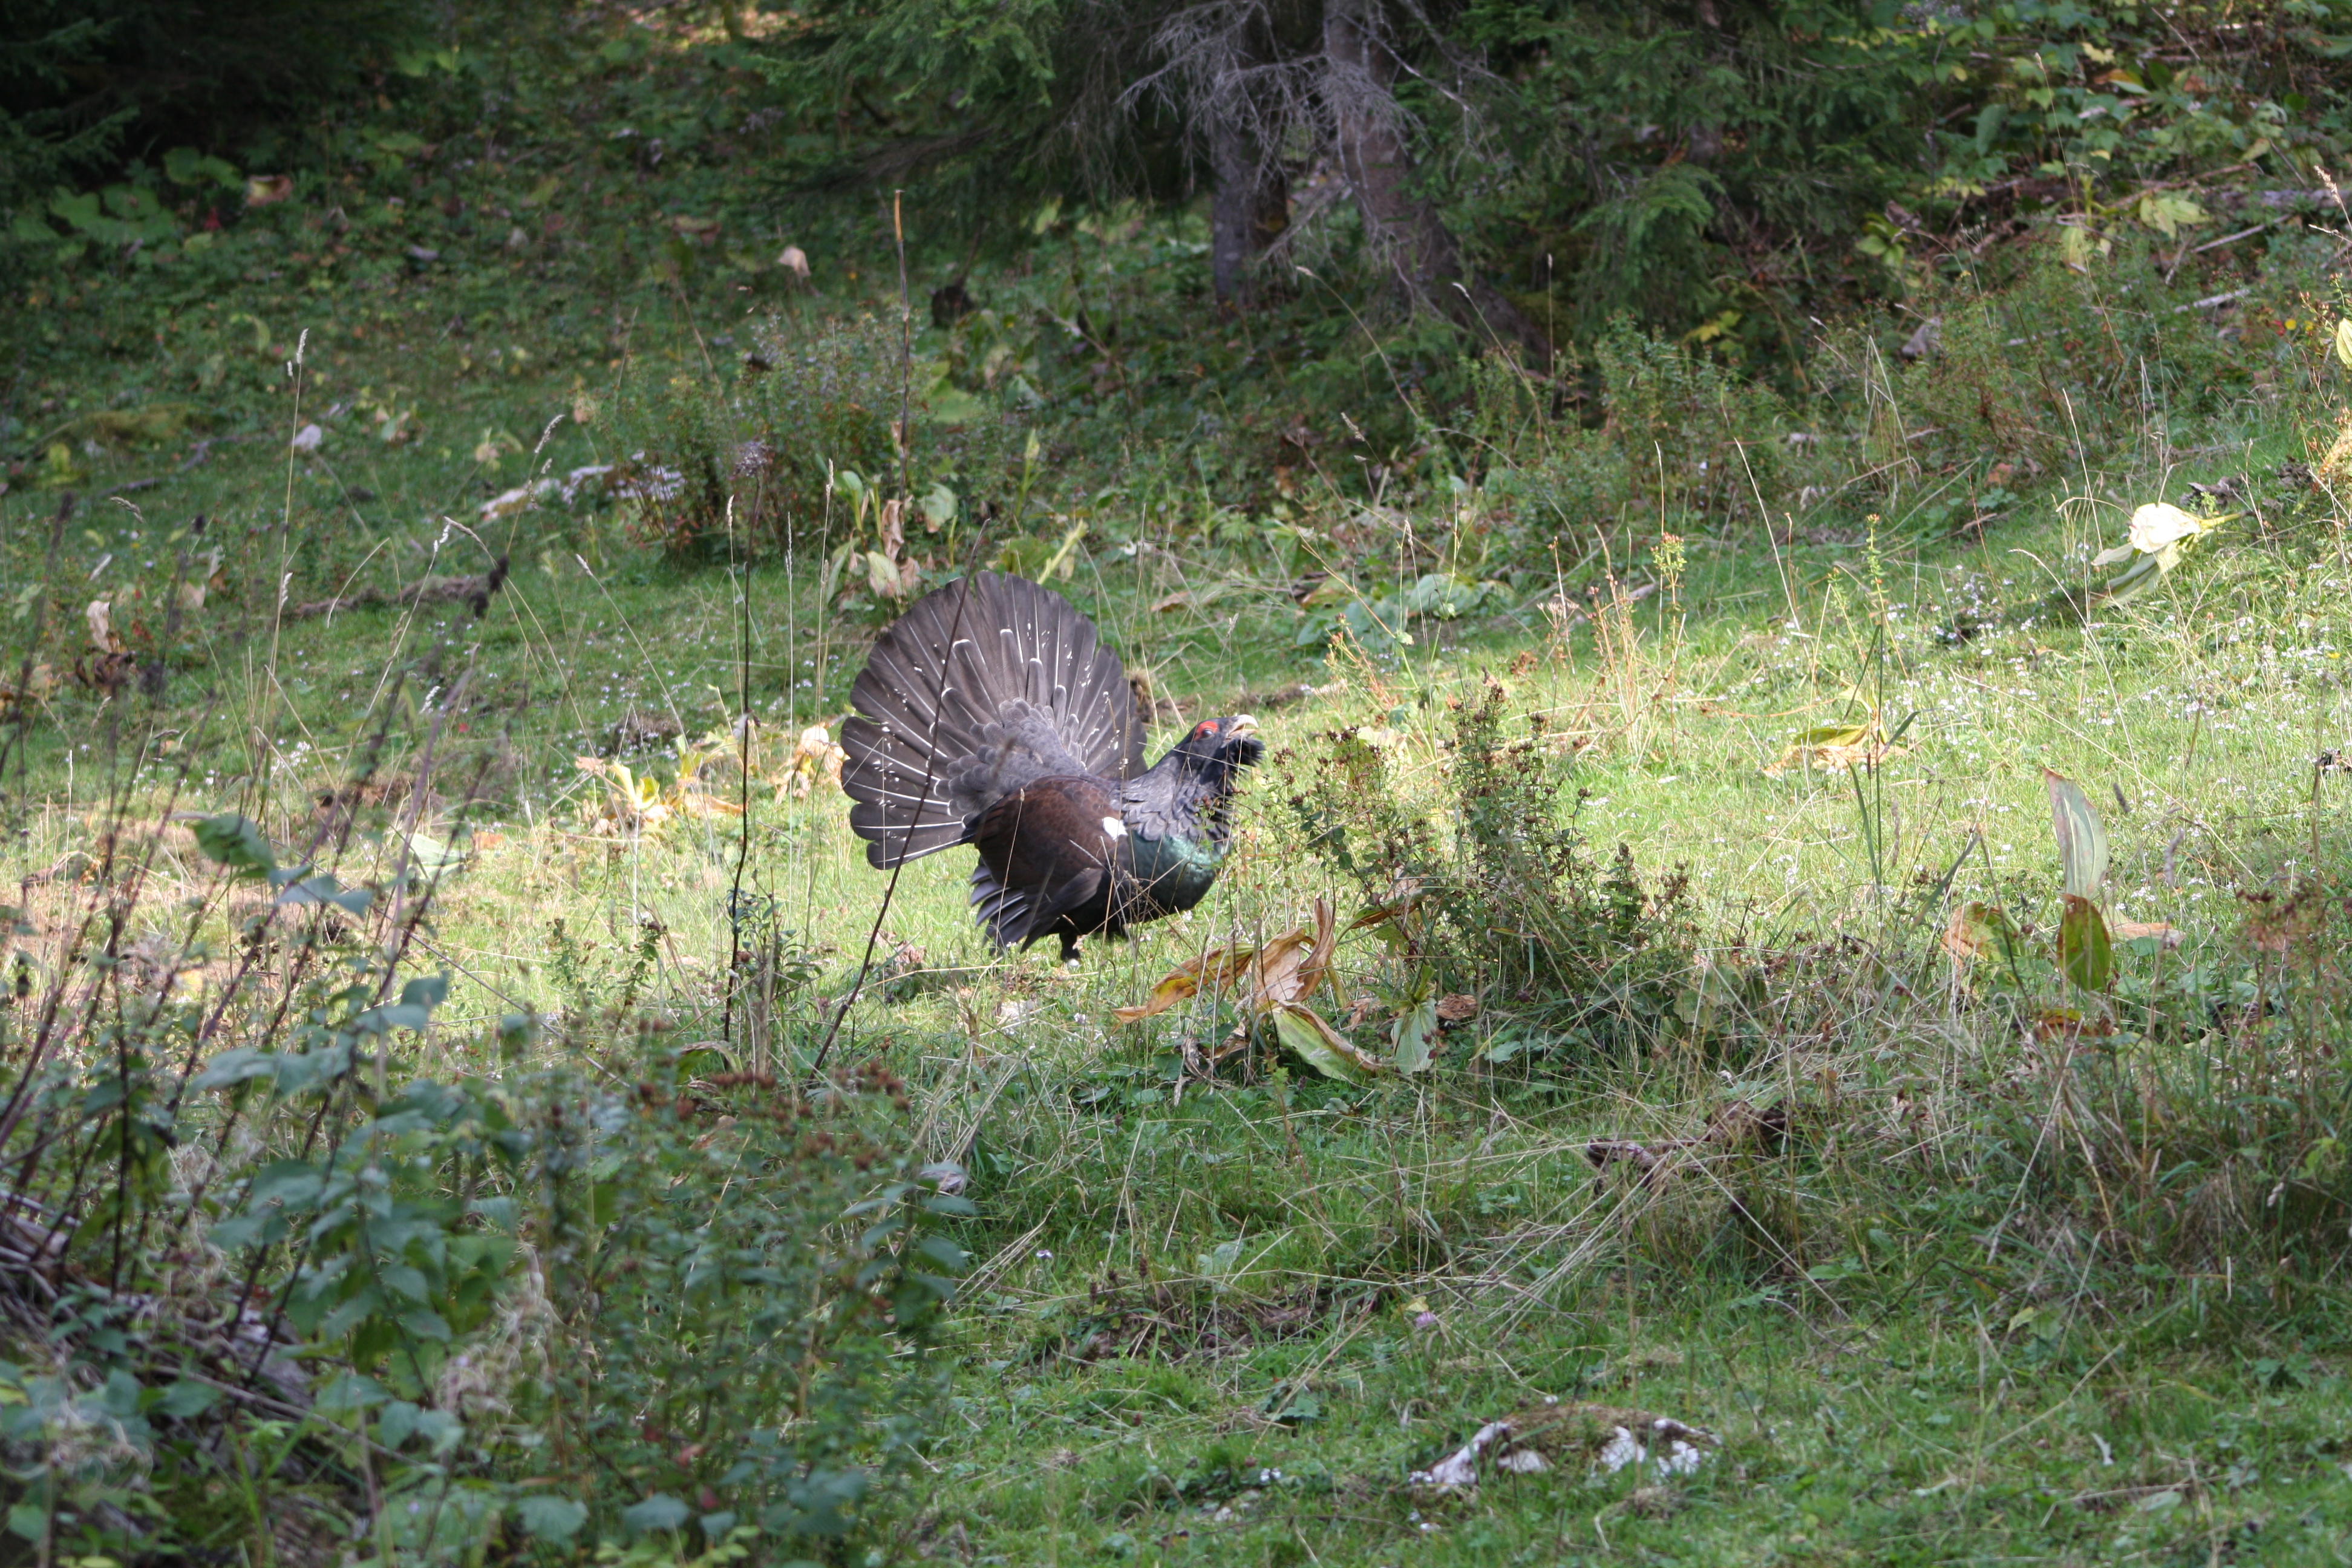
(1496, 893)
(86, 84)
(262, 1277)
(1730, 170)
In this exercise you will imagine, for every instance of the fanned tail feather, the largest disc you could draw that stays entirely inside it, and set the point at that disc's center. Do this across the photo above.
(940, 731)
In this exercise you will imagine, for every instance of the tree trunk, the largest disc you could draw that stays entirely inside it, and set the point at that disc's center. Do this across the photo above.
(1368, 137)
(1250, 207)
(1248, 212)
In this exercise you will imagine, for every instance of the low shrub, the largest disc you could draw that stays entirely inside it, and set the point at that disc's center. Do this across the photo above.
(805, 404)
(1501, 893)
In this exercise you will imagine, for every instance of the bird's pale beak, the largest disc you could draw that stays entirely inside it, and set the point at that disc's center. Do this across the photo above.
(1239, 725)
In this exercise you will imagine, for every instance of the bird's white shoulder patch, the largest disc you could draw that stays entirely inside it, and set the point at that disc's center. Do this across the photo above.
(1115, 827)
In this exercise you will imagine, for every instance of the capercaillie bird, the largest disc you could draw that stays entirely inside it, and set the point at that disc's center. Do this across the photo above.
(990, 714)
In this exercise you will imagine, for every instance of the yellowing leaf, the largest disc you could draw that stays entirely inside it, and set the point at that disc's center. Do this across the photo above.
(2166, 212)
(1217, 968)
(2344, 342)
(1834, 746)
(2160, 523)
(1304, 1034)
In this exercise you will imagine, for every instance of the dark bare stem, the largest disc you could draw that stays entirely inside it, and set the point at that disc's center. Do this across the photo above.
(930, 765)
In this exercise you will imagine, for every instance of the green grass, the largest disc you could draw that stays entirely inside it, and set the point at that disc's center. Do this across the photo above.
(1888, 1384)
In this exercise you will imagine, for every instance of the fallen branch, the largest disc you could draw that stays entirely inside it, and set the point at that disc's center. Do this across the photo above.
(197, 454)
(476, 589)
(1733, 1126)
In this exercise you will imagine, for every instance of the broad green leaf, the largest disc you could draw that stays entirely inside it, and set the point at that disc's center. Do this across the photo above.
(396, 1422)
(1416, 1038)
(440, 1430)
(659, 1512)
(426, 991)
(324, 889)
(2082, 837)
(2168, 212)
(237, 843)
(186, 166)
(426, 1324)
(287, 1184)
(186, 1399)
(550, 1518)
(235, 1066)
(944, 1252)
(2086, 955)
(431, 855)
(352, 1391)
(302, 1072)
(406, 1280)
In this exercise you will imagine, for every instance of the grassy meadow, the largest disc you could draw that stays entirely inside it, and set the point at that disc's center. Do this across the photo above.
(1809, 1122)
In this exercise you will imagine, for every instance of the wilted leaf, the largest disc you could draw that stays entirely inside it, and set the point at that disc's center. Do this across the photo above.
(939, 507)
(1834, 746)
(2164, 937)
(2160, 523)
(1287, 969)
(2082, 837)
(99, 615)
(2085, 955)
(1216, 969)
(1977, 928)
(1290, 967)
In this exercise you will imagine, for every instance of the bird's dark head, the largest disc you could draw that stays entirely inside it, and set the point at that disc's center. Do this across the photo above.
(1216, 747)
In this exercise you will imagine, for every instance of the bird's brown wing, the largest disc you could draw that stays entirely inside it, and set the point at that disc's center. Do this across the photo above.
(1044, 851)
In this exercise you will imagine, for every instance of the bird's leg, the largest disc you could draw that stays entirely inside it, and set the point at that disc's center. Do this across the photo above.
(1069, 950)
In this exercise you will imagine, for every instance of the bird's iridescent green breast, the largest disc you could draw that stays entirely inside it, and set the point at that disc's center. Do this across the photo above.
(1173, 871)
